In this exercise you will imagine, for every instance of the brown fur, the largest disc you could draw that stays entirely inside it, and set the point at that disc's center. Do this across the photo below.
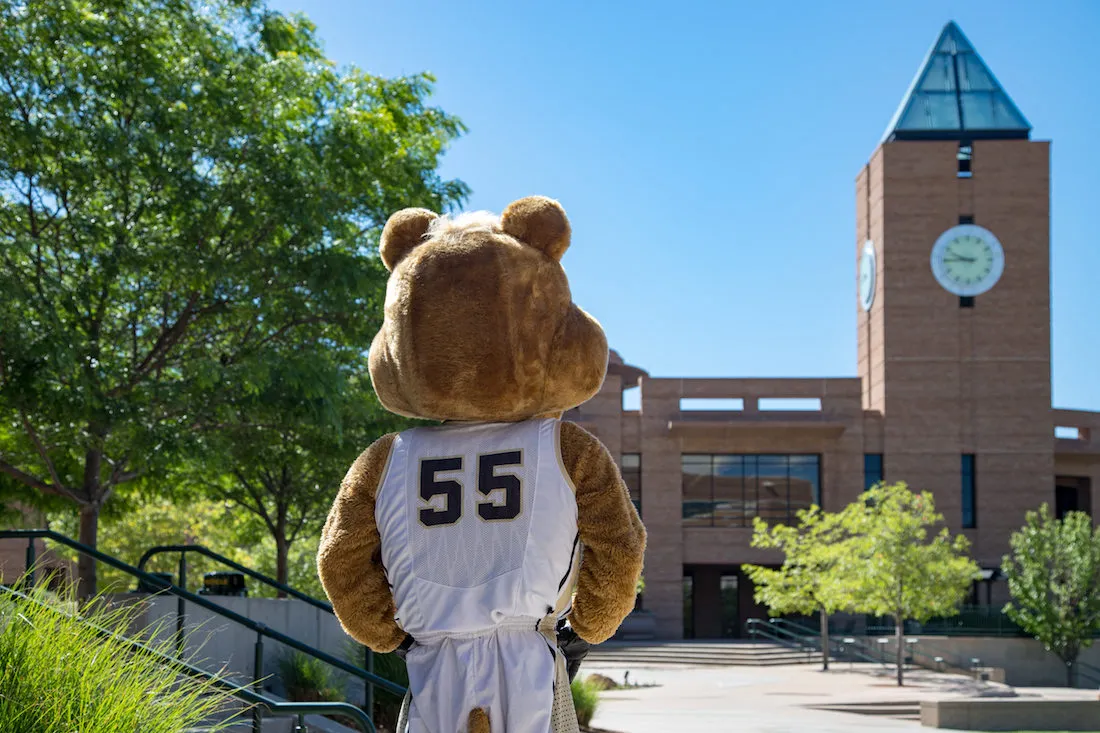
(480, 325)
(611, 533)
(478, 721)
(349, 558)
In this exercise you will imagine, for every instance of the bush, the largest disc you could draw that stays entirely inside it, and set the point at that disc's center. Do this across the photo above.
(586, 698)
(308, 679)
(58, 674)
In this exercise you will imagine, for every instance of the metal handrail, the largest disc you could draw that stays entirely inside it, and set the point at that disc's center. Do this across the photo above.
(265, 579)
(760, 627)
(803, 633)
(154, 581)
(937, 654)
(1091, 673)
(301, 709)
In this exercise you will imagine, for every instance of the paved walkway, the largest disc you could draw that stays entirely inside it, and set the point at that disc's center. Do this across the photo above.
(774, 699)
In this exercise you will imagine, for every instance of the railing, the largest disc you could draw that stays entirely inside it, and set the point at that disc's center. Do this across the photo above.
(969, 621)
(935, 658)
(759, 628)
(154, 581)
(299, 709)
(1091, 674)
(265, 579)
(840, 647)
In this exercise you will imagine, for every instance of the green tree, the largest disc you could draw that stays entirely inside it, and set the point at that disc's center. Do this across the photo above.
(1053, 575)
(284, 450)
(131, 524)
(812, 577)
(184, 185)
(898, 571)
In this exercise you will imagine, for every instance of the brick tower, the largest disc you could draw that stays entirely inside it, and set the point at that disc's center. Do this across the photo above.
(953, 268)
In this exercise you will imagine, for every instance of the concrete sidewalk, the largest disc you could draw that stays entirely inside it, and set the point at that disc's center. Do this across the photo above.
(776, 699)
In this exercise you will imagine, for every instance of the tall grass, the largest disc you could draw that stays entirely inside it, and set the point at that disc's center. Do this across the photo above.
(57, 673)
(586, 698)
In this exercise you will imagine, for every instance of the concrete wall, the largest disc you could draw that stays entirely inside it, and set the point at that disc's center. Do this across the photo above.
(216, 643)
(1025, 662)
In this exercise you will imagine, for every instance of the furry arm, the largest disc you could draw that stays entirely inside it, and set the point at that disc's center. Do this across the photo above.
(611, 534)
(349, 558)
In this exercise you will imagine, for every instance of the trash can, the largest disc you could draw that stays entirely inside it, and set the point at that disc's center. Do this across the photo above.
(223, 584)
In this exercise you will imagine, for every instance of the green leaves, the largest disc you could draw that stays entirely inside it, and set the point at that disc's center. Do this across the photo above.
(1053, 574)
(874, 556)
(808, 580)
(190, 194)
(897, 570)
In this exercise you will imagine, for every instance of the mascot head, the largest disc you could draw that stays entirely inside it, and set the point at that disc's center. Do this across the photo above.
(479, 321)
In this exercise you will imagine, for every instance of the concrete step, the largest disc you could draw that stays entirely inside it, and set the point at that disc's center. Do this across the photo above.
(696, 653)
(896, 709)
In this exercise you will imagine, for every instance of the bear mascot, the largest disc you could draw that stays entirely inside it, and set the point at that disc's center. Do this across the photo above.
(469, 542)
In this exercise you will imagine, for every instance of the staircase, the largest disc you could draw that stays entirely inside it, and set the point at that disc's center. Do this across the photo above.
(730, 654)
(895, 709)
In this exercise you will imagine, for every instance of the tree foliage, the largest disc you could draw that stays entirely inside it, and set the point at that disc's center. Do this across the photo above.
(897, 568)
(186, 186)
(282, 452)
(812, 578)
(1053, 575)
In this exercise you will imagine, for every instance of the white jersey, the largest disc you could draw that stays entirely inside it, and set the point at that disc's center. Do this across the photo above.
(478, 524)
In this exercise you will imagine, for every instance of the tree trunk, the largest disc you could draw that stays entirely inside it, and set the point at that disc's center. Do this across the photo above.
(824, 641)
(1071, 672)
(282, 549)
(86, 565)
(901, 648)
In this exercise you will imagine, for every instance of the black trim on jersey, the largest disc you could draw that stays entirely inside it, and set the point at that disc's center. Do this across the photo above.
(572, 557)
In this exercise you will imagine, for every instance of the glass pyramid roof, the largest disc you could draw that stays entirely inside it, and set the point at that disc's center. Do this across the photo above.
(955, 96)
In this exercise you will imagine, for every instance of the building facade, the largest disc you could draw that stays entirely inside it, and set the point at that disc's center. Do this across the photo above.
(953, 391)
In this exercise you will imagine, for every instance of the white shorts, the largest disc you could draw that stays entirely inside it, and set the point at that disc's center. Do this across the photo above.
(508, 670)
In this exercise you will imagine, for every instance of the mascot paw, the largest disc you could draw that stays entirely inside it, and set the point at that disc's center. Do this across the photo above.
(479, 721)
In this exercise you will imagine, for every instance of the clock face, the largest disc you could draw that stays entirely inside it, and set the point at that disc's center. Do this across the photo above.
(867, 276)
(967, 260)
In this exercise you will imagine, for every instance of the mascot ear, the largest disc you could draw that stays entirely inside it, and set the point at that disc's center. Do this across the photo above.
(403, 232)
(539, 222)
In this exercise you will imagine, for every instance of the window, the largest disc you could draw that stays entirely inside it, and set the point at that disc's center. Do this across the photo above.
(731, 490)
(966, 219)
(1072, 494)
(872, 469)
(969, 510)
(966, 301)
(632, 475)
(965, 157)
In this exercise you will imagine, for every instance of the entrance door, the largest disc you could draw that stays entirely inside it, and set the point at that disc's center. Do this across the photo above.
(731, 616)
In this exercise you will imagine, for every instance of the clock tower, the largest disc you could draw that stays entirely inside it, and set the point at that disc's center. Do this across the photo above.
(953, 273)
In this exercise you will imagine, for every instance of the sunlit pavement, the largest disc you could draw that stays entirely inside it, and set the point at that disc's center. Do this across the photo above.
(767, 699)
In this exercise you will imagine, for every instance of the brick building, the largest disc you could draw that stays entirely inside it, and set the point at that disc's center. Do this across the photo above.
(953, 393)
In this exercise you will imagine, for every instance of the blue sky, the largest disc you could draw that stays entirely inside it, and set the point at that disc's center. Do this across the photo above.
(706, 153)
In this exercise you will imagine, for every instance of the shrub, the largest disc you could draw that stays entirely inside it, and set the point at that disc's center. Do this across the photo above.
(57, 673)
(586, 698)
(308, 679)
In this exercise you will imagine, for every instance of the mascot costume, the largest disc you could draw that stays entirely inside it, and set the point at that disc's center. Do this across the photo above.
(470, 544)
